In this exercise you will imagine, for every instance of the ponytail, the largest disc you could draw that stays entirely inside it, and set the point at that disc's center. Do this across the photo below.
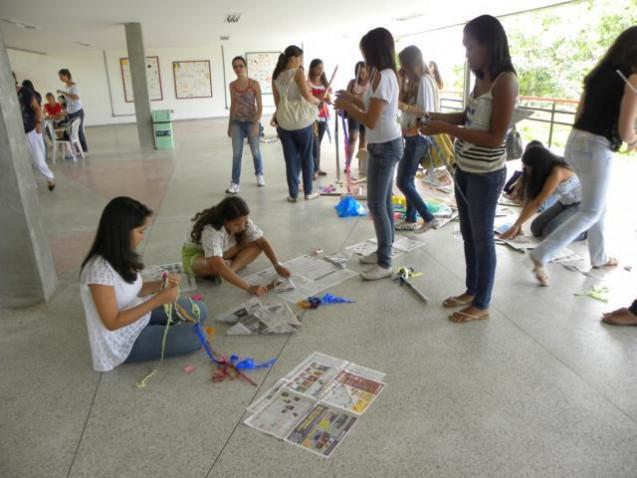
(280, 64)
(290, 52)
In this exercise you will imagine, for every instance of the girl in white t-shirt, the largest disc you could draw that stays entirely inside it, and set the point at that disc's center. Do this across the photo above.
(378, 111)
(223, 241)
(125, 317)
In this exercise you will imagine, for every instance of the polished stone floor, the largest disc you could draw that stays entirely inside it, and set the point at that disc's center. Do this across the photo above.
(542, 389)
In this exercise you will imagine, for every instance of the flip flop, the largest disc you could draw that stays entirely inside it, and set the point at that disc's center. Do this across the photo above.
(611, 318)
(612, 262)
(451, 302)
(462, 317)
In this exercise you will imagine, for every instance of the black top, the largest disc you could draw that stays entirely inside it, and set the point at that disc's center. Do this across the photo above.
(602, 99)
(26, 96)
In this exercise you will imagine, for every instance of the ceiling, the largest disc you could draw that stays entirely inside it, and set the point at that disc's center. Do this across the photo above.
(65, 25)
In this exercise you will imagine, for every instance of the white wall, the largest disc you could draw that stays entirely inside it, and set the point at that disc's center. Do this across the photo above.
(87, 69)
(98, 75)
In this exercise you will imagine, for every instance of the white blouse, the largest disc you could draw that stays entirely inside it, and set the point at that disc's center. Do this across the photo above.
(110, 348)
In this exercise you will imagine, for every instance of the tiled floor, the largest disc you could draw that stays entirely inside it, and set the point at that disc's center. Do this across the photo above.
(541, 389)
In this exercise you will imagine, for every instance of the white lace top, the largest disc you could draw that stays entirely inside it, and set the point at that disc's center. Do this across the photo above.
(110, 348)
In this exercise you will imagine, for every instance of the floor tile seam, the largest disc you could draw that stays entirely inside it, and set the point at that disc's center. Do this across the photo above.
(550, 352)
(157, 212)
(243, 414)
(88, 417)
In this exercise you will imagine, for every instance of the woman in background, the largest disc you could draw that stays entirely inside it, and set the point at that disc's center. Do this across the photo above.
(605, 118)
(318, 84)
(356, 130)
(74, 108)
(246, 108)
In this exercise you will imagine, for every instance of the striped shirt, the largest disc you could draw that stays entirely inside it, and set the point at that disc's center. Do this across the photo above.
(472, 158)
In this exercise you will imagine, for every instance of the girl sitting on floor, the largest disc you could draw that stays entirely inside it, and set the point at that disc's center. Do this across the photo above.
(125, 317)
(546, 175)
(223, 241)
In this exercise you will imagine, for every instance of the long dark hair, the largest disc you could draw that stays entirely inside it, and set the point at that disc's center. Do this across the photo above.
(622, 55)
(113, 238)
(290, 52)
(489, 32)
(313, 64)
(228, 209)
(540, 162)
(411, 56)
(378, 49)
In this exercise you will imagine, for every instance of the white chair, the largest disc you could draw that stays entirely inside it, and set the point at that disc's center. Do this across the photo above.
(50, 136)
(74, 143)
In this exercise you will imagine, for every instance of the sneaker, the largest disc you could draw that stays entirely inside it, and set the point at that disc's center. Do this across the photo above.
(309, 197)
(407, 226)
(233, 189)
(433, 224)
(291, 199)
(260, 180)
(376, 273)
(369, 259)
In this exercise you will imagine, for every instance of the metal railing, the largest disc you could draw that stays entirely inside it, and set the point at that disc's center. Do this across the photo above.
(551, 111)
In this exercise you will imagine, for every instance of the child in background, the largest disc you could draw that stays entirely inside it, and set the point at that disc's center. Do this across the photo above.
(223, 241)
(52, 109)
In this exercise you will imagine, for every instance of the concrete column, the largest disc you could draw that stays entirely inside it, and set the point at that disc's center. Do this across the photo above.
(137, 62)
(27, 273)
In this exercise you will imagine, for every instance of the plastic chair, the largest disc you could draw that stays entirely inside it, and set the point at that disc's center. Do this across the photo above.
(49, 130)
(75, 140)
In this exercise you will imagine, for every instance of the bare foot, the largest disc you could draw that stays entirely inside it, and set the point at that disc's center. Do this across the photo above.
(621, 316)
(540, 273)
(458, 301)
(469, 314)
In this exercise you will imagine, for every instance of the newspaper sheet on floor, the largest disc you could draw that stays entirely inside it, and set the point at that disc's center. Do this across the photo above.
(521, 243)
(402, 244)
(255, 318)
(316, 405)
(153, 273)
(310, 275)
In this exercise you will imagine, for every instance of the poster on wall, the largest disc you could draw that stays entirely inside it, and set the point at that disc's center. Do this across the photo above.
(260, 68)
(192, 79)
(152, 74)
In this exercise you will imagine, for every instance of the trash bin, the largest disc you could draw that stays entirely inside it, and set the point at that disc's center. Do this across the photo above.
(163, 129)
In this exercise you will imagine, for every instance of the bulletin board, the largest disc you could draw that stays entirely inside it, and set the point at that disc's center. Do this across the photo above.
(192, 79)
(152, 73)
(261, 66)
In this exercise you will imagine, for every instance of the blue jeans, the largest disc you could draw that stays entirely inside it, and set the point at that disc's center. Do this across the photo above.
(591, 158)
(477, 197)
(239, 130)
(181, 339)
(552, 218)
(297, 151)
(70, 118)
(415, 148)
(380, 177)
